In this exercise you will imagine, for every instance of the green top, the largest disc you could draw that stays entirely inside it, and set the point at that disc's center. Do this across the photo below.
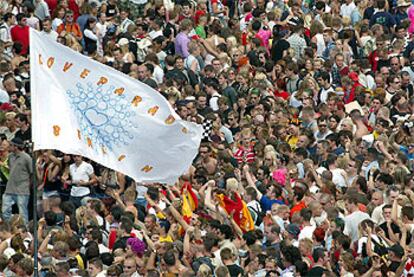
(200, 31)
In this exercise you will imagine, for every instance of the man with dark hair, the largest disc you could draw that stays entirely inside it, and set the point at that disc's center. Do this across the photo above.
(20, 33)
(382, 17)
(211, 87)
(124, 233)
(395, 255)
(18, 185)
(24, 132)
(321, 260)
(290, 254)
(324, 81)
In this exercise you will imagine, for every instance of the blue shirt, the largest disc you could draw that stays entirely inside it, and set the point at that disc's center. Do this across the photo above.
(267, 203)
(409, 155)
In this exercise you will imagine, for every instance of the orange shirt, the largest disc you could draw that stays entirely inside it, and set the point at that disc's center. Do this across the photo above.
(70, 28)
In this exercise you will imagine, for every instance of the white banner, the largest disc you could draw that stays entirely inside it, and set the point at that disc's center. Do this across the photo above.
(80, 106)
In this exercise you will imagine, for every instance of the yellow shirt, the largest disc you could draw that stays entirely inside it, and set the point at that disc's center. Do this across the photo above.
(292, 140)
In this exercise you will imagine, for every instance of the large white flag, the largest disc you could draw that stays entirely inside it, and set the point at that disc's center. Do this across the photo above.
(82, 107)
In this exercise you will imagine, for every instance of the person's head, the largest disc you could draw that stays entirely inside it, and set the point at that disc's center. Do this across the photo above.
(351, 203)
(320, 256)
(24, 268)
(272, 232)
(339, 60)
(407, 214)
(129, 266)
(22, 121)
(69, 16)
(78, 159)
(305, 246)
(392, 194)
(376, 104)
(94, 267)
(9, 18)
(202, 101)
(226, 255)
(395, 253)
(142, 72)
(62, 269)
(60, 250)
(395, 64)
(290, 254)
(346, 261)
(186, 25)
(91, 23)
(21, 19)
(386, 212)
(9, 83)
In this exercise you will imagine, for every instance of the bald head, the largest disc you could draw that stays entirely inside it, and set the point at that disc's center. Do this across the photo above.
(377, 198)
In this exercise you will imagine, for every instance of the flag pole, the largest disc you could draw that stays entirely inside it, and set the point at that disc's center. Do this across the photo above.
(34, 176)
(35, 222)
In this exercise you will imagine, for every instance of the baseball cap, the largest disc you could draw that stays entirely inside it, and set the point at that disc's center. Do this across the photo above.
(123, 41)
(293, 229)
(397, 249)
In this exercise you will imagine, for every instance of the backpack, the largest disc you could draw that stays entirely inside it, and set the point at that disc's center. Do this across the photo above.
(379, 247)
(142, 49)
(259, 215)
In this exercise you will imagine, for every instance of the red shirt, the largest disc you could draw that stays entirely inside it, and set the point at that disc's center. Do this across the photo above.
(244, 155)
(297, 208)
(373, 60)
(21, 34)
(52, 4)
(197, 15)
(73, 6)
(282, 94)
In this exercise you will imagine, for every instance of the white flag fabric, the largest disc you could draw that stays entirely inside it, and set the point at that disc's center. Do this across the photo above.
(82, 107)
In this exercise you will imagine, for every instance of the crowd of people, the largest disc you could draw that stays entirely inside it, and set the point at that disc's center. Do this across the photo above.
(306, 163)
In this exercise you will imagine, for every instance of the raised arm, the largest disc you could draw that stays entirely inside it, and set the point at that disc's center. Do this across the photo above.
(250, 181)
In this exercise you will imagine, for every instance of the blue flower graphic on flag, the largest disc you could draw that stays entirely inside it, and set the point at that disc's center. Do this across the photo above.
(104, 118)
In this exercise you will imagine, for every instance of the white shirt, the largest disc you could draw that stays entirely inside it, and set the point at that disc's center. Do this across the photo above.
(80, 173)
(363, 240)
(338, 178)
(52, 34)
(307, 232)
(4, 96)
(103, 249)
(5, 35)
(56, 23)
(325, 93)
(158, 74)
(346, 10)
(125, 24)
(351, 224)
(154, 34)
(213, 103)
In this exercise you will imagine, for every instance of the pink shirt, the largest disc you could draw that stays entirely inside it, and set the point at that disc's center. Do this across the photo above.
(264, 36)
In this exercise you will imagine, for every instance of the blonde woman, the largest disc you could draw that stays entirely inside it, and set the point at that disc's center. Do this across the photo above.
(225, 60)
(72, 42)
(204, 271)
(347, 125)
(346, 264)
(128, 57)
(191, 62)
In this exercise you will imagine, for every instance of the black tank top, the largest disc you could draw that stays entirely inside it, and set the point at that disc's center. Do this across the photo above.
(110, 10)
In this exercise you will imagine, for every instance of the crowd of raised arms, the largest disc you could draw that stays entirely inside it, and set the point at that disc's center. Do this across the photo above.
(306, 163)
